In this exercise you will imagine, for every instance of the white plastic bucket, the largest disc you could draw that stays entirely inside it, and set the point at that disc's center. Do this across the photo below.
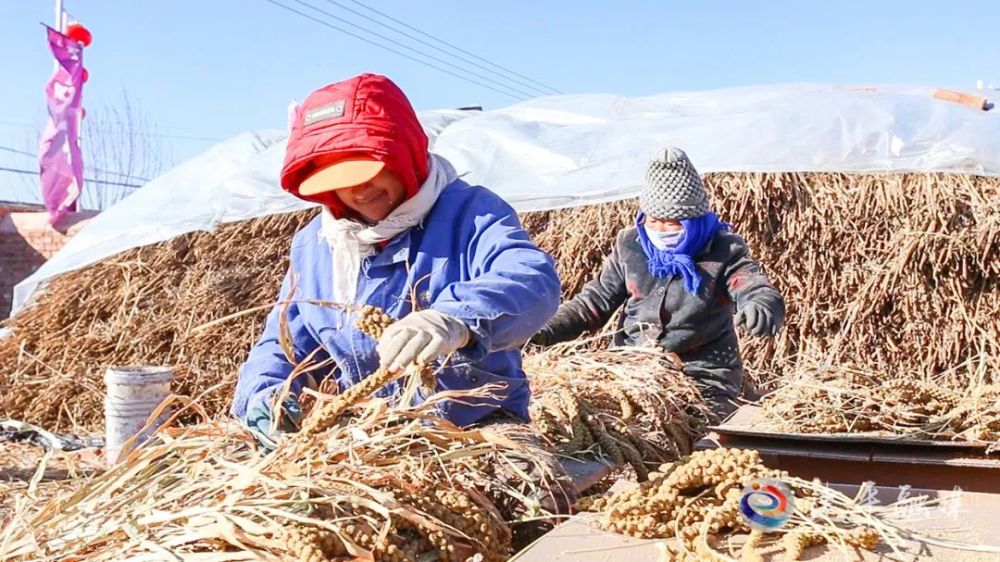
(133, 392)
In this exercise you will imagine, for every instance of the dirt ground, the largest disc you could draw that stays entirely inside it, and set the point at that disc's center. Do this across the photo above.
(19, 464)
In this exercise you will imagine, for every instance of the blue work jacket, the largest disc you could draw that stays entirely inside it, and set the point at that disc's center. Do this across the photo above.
(469, 259)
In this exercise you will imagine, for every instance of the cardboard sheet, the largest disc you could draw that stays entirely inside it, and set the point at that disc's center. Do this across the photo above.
(972, 518)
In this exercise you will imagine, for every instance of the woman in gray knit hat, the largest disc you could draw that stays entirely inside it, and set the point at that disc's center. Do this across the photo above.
(681, 275)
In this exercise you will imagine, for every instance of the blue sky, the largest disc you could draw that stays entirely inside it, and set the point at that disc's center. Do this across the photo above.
(209, 69)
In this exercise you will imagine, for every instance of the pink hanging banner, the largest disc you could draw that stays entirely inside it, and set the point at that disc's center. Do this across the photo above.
(59, 159)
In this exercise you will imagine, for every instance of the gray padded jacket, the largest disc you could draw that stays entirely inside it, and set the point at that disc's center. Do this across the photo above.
(698, 328)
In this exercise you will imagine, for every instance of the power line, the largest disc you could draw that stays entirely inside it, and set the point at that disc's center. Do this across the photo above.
(544, 91)
(16, 151)
(456, 47)
(94, 168)
(161, 135)
(390, 49)
(415, 50)
(86, 180)
(184, 137)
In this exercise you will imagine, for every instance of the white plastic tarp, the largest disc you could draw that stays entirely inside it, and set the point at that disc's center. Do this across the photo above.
(573, 150)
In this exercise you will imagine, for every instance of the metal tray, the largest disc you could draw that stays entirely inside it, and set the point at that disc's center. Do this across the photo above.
(749, 421)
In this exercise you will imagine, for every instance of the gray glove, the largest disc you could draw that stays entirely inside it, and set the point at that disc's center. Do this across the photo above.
(542, 339)
(421, 337)
(759, 320)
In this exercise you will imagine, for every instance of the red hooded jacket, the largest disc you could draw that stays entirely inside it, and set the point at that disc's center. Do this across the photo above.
(367, 115)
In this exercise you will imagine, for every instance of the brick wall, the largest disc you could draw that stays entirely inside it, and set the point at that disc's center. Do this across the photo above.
(26, 241)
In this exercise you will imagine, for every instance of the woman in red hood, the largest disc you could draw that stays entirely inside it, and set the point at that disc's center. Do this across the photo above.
(400, 231)
(357, 148)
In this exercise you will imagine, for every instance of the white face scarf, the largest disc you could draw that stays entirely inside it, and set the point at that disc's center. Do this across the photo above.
(350, 241)
(663, 240)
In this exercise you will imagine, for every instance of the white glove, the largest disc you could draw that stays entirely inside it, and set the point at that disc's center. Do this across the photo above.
(420, 337)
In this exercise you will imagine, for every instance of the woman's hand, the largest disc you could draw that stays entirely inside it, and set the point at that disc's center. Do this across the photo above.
(421, 337)
(759, 320)
(260, 419)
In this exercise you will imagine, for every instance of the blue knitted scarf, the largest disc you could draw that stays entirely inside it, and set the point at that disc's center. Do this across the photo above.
(679, 260)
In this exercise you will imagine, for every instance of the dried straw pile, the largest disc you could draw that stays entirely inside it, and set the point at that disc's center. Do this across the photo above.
(835, 400)
(579, 238)
(628, 406)
(139, 308)
(896, 273)
(374, 481)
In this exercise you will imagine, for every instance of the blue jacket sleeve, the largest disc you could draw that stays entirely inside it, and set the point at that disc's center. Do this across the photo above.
(513, 288)
(267, 367)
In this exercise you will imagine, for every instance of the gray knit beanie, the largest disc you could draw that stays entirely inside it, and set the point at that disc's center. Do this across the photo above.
(673, 188)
